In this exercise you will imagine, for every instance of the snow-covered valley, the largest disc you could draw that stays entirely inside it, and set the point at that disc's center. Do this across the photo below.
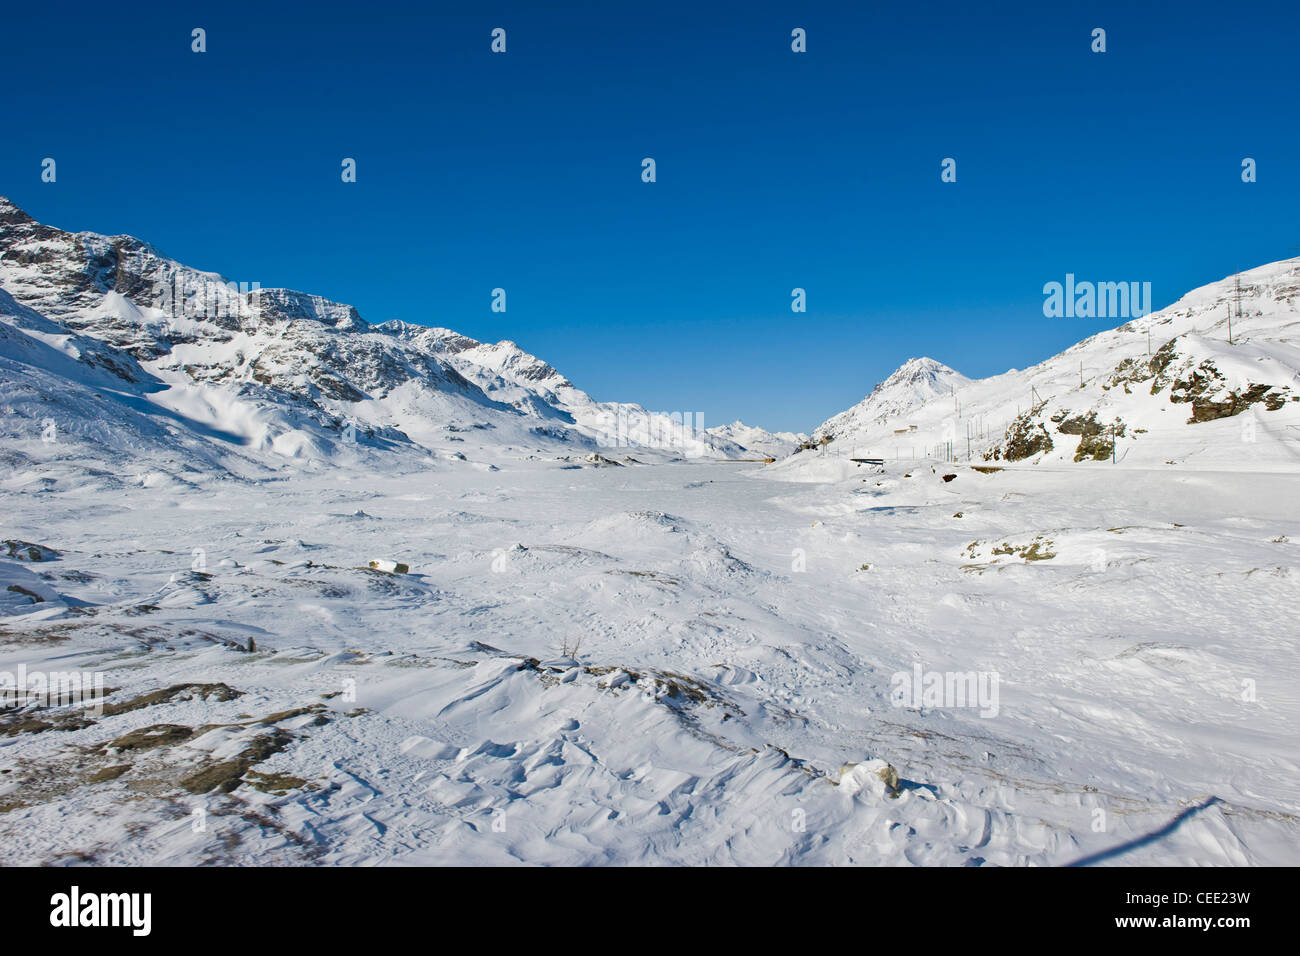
(658, 664)
(380, 594)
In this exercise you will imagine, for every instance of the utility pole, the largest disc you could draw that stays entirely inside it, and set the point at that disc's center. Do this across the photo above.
(1238, 309)
(1112, 443)
(1230, 324)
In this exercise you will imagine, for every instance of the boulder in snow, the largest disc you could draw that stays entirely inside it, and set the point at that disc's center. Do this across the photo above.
(877, 776)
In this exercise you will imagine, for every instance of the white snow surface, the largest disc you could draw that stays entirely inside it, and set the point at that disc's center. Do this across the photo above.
(667, 664)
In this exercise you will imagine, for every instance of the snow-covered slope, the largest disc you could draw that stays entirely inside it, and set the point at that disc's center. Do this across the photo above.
(1170, 386)
(273, 374)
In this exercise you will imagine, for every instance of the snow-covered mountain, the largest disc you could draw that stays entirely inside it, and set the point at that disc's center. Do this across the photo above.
(508, 374)
(759, 441)
(111, 346)
(1169, 386)
(914, 383)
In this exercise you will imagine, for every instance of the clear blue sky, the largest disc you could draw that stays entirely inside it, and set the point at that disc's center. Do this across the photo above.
(775, 170)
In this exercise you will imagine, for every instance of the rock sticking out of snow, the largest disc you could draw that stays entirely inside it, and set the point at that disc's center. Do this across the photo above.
(876, 776)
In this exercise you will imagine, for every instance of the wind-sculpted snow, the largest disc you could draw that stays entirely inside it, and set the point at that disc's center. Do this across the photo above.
(670, 664)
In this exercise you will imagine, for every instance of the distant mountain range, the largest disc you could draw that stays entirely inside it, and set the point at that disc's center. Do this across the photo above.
(112, 352)
(111, 347)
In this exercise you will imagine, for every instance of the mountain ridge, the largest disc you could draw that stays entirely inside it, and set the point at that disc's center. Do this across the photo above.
(1109, 396)
(291, 372)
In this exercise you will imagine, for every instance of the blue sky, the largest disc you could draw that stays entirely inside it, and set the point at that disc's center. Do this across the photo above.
(775, 170)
